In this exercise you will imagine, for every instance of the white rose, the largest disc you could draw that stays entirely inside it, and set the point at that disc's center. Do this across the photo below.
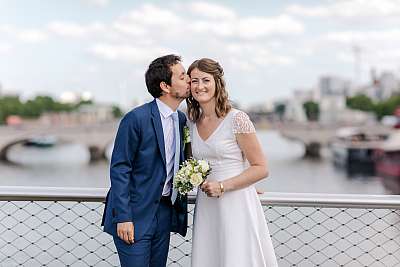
(187, 171)
(196, 179)
(204, 165)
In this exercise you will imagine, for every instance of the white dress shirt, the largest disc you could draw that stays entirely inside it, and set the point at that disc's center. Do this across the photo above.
(169, 143)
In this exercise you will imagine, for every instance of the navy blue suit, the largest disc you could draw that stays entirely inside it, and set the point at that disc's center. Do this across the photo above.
(138, 173)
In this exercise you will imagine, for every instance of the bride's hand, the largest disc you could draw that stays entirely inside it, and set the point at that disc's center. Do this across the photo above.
(211, 188)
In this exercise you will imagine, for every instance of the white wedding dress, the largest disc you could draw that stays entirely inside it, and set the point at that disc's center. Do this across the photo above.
(230, 231)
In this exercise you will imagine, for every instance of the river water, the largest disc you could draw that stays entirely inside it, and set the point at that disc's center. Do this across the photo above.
(67, 166)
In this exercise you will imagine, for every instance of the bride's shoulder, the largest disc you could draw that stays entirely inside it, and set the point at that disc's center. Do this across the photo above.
(241, 122)
(237, 115)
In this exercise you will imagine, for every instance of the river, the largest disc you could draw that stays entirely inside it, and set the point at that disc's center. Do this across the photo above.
(67, 166)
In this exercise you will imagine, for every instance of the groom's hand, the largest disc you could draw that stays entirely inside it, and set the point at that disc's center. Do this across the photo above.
(125, 231)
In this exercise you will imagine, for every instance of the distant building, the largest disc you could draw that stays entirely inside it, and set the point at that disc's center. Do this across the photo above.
(381, 87)
(333, 110)
(294, 107)
(86, 114)
(333, 86)
(330, 107)
(75, 97)
(306, 94)
(96, 113)
(386, 85)
(294, 111)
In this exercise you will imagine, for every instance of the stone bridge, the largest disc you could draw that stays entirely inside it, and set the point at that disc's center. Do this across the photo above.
(96, 137)
(314, 135)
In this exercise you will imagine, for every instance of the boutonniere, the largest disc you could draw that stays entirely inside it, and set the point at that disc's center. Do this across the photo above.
(186, 135)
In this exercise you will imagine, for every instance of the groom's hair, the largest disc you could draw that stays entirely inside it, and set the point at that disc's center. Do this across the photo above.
(160, 71)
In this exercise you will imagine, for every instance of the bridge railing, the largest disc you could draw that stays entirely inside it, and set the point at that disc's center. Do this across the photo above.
(61, 227)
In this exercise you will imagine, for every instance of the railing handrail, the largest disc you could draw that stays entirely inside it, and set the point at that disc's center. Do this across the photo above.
(331, 200)
(40, 193)
(36, 193)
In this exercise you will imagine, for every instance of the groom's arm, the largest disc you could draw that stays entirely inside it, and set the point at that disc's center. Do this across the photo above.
(125, 146)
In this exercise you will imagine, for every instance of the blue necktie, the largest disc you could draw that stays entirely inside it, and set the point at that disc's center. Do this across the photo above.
(177, 153)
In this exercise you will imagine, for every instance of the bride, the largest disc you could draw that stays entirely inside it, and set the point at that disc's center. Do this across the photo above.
(229, 224)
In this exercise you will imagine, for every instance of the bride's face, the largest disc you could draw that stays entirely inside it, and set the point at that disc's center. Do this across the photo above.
(202, 86)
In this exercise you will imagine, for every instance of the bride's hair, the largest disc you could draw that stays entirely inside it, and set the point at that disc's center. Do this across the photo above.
(222, 103)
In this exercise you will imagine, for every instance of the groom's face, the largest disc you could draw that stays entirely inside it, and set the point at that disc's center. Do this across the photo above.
(180, 86)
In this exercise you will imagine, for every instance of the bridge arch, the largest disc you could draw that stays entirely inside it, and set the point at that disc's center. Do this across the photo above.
(4, 150)
(97, 152)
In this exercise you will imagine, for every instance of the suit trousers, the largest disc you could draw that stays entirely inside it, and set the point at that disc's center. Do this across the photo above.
(152, 249)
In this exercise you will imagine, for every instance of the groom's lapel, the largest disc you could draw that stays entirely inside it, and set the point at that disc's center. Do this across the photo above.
(156, 119)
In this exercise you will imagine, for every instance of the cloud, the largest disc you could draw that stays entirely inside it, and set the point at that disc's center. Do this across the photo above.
(364, 37)
(98, 3)
(253, 56)
(224, 29)
(5, 48)
(254, 27)
(32, 36)
(212, 11)
(148, 22)
(128, 53)
(249, 28)
(377, 48)
(349, 9)
(152, 15)
(25, 35)
(70, 29)
(128, 28)
(6, 29)
(204, 18)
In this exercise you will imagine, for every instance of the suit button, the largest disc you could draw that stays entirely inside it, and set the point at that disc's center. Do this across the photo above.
(157, 201)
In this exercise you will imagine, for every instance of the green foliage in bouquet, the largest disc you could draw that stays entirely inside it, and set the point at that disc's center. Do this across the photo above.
(191, 174)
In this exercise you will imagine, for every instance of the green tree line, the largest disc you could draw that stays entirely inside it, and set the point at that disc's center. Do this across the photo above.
(33, 108)
(379, 108)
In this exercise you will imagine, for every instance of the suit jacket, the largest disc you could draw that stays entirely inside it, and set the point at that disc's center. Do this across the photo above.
(138, 173)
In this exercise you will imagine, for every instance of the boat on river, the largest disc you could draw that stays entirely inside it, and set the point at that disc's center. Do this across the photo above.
(353, 150)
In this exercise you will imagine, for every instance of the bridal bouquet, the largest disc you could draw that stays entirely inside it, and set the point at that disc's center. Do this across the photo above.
(191, 174)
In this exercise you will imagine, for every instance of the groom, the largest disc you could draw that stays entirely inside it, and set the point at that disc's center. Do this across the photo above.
(141, 206)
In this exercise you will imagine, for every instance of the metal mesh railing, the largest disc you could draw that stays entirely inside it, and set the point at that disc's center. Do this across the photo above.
(335, 236)
(61, 227)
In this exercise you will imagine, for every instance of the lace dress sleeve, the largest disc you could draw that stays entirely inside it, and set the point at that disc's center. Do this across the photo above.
(242, 124)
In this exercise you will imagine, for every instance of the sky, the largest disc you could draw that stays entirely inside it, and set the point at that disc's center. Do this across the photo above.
(267, 48)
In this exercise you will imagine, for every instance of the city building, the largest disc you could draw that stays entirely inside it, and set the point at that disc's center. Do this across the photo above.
(333, 86)
(86, 114)
(380, 87)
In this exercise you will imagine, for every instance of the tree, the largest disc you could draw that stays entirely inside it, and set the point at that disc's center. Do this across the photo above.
(311, 109)
(360, 102)
(387, 107)
(10, 105)
(34, 108)
(280, 110)
(117, 112)
(382, 108)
